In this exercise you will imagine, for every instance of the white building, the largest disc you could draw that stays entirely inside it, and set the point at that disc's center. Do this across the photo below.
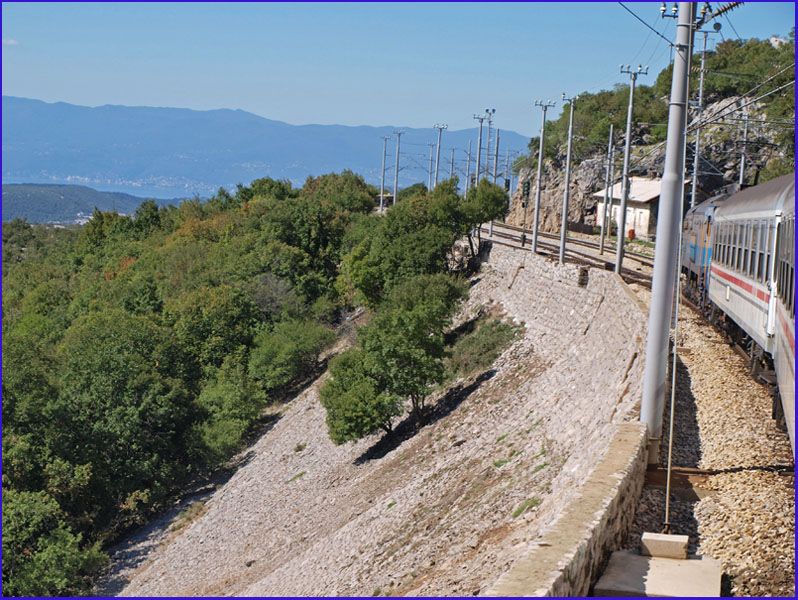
(641, 209)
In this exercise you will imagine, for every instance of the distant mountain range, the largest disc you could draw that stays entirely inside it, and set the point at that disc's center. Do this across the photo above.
(53, 203)
(176, 152)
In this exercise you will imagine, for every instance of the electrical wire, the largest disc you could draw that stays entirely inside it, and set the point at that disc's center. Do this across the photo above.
(736, 108)
(631, 12)
(728, 20)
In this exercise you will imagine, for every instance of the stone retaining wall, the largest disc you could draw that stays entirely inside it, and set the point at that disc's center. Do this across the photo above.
(566, 561)
(590, 319)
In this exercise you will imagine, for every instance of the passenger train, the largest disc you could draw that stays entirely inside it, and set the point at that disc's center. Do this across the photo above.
(738, 255)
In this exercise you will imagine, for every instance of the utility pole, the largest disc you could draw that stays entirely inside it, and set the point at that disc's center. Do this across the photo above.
(496, 158)
(544, 106)
(398, 135)
(700, 107)
(440, 129)
(607, 194)
(479, 118)
(742, 150)
(429, 171)
(382, 178)
(668, 228)
(468, 169)
(451, 167)
(621, 238)
(489, 112)
(508, 175)
(567, 194)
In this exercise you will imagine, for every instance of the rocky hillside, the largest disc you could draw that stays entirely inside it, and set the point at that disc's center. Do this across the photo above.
(721, 147)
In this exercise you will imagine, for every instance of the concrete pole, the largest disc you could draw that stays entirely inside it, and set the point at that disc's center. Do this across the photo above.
(487, 147)
(697, 149)
(742, 150)
(440, 129)
(607, 194)
(496, 158)
(429, 169)
(398, 135)
(468, 169)
(479, 118)
(536, 224)
(567, 194)
(668, 228)
(619, 243)
(382, 178)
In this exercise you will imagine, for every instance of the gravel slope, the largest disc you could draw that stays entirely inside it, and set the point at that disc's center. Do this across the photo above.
(437, 514)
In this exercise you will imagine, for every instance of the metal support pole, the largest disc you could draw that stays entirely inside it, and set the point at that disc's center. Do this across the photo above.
(607, 193)
(742, 150)
(398, 135)
(468, 169)
(429, 169)
(382, 178)
(451, 167)
(567, 193)
(697, 148)
(625, 183)
(496, 158)
(668, 228)
(440, 129)
(489, 112)
(479, 118)
(536, 224)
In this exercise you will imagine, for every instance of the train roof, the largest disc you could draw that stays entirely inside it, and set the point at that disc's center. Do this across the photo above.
(773, 195)
(704, 208)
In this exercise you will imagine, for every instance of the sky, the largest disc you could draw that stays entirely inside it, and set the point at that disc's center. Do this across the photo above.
(412, 64)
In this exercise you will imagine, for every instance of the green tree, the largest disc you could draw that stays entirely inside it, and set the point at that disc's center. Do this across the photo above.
(399, 357)
(354, 404)
(286, 353)
(41, 554)
(119, 412)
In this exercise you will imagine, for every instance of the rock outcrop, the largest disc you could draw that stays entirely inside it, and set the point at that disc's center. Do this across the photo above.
(721, 149)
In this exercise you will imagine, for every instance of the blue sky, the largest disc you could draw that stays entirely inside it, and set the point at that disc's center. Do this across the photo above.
(377, 64)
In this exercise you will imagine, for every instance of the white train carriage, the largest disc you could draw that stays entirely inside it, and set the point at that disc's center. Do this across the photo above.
(752, 275)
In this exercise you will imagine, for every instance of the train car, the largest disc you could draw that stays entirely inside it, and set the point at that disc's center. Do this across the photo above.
(697, 247)
(751, 275)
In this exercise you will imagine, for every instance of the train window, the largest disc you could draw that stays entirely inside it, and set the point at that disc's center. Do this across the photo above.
(746, 248)
(756, 251)
(740, 241)
(792, 269)
(726, 244)
(768, 257)
(779, 262)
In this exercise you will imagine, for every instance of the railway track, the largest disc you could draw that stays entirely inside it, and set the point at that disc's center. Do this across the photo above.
(639, 257)
(574, 256)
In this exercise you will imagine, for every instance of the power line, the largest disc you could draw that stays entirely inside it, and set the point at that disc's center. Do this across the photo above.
(631, 12)
(725, 16)
(736, 108)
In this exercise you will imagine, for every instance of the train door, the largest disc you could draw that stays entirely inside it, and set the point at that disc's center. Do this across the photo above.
(770, 325)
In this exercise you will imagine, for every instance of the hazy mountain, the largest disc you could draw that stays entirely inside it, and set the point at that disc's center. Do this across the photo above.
(175, 152)
(51, 203)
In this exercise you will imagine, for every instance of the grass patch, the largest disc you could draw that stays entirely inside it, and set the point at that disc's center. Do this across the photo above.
(540, 467)
(501, 438)
(297, 476)
(391, 504)
(525, 506)
(476, 350)
(501, 462)
(300, 447)
(194, 511)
